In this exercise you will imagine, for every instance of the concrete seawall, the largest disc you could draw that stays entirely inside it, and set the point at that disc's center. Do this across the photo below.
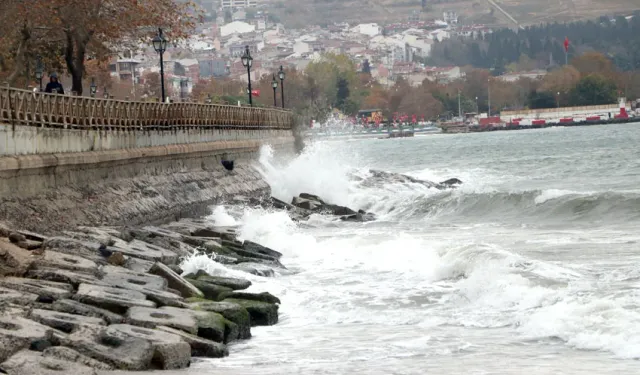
(125, 178)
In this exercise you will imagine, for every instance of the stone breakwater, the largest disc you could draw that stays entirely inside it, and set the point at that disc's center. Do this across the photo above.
(105, 298)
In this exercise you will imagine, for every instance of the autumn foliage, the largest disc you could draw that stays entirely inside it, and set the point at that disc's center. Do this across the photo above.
(70, 32)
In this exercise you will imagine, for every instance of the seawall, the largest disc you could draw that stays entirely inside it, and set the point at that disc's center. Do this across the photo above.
(54, 179)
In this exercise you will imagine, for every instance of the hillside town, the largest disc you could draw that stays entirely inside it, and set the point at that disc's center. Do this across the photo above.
(214, 50)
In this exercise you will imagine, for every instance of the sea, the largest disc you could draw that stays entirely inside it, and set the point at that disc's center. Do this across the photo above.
(531, 266)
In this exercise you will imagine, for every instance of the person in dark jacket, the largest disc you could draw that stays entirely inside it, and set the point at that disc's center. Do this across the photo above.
(54, 87)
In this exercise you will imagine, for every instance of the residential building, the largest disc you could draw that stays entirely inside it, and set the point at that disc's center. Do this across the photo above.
(124, 69)
(238, 4)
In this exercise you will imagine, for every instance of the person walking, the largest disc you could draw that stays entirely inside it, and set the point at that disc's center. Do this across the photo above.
(54, 87)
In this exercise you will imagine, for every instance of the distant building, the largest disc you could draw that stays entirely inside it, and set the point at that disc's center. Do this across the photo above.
(238, 4)
(239, 15)
(213, 67)
(370, 29)
(450, 17)
(513, 77)
(124, 69)
(236, 27)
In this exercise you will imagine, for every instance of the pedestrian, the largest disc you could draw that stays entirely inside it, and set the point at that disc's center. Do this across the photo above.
(54, 87)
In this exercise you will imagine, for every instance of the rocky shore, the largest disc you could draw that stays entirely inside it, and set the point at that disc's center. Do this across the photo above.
(97, 299)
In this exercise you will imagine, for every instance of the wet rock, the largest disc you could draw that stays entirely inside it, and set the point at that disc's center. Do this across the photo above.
(14, 261)
(17, 333)
(312, 197)
(175, 268)
(257, 248)
(170, 350)
(54, 259)
(70, 355)
(62, 321)
(34, 363)
(360, 217)
(166, 316)
(226, 233)
(254, 269)
(117, 259)
(42, 288)
(306, 204)
(228, 282)
(17, 237)
(281, 205)
(63, 276)
(74, 307)
(176, 281)
(213, 326)
(112, 299)
(200, 347)
(13, 296)
(262, 297)
(231, 311)
(262, 313)
(112, 347)
(209, 290)
(452, 182)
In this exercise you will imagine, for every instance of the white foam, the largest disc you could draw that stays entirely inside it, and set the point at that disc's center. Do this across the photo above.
(220, 217)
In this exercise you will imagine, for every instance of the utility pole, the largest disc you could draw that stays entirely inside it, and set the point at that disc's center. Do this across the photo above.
(459, 106)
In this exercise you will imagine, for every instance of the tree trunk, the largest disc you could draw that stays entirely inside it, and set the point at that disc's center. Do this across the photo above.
(19, 55)
(75, 50)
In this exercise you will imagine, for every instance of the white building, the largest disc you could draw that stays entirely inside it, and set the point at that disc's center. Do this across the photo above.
(369, 29)
(236, 27)
(450, 17)
(513, 77)
(227, 4)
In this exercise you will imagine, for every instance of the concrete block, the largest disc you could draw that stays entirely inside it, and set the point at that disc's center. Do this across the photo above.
(167, 316)
(142, 250)
(163, 232)
(17, 333)
(64, 276)
(34, 363)
(13, 296)
(230, 311)
(74, 307)
(127, 279)
(62, 321)
(70, 355)
(15, 261)
(257, 248)
(228, 282)
(170, 350)
(200, 347)
(112, 299)
(226, 233)
(262, 313)
(53, 259)
(213, 326)
(44, 289)
(176, 281)
(113, 348)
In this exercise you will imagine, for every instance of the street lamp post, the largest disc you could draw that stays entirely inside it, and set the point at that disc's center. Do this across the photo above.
(558, 99)
(93, 89)
(281, 75)
(39, 71)
(247, 62)
(274, 84)
(160, 45)
(477, 106)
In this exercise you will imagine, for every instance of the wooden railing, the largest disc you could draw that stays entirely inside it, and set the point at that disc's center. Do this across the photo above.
(22, 107)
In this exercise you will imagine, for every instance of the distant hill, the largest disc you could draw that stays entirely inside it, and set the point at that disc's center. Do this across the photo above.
(526, 12)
